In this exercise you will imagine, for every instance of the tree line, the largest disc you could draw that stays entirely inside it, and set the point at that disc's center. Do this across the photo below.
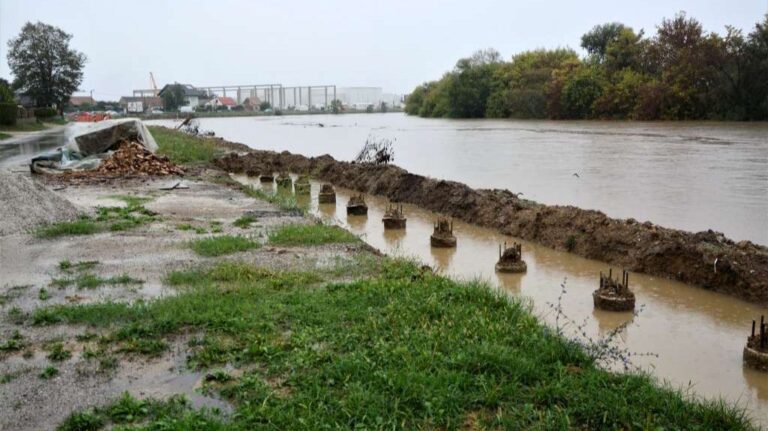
(679, 73)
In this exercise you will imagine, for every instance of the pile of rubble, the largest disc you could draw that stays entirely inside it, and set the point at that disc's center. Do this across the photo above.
(132, 158)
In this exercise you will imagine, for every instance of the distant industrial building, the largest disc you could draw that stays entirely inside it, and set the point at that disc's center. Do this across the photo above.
(361, 97)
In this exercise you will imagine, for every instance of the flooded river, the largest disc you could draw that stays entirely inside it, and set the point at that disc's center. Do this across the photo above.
(692, 176)
(698, 335)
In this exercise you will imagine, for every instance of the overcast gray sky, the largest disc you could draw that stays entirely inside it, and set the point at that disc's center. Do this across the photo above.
(392, 44)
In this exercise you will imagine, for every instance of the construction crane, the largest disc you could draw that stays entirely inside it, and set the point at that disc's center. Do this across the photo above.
(154, 84)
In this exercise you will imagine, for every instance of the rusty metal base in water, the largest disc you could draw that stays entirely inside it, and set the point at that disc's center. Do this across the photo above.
(613, 303)
(326, 198)
(512, 267)
(357, 210)
(442, 241)
(755, 359)
(394, 223)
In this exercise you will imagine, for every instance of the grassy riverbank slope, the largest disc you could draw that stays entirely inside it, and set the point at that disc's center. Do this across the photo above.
(397, 348)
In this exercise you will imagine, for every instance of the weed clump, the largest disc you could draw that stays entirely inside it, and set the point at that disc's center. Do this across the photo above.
(314, 234)
(221, 245)
(49, 372)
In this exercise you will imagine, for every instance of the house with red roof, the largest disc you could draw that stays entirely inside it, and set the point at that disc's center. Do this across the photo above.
(216, 102)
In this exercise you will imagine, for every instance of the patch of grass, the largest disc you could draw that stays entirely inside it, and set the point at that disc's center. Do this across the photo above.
(7, 378)
(285, 202)
(58, 353)
(184, 226)
(133, 201)
(87, 280)
(49, 372)
(404, 349)
(82, 226)
(16, 315)
(175, 413)
(67, 266)
(4, 136)
(43, 295)
(310, 234)
(245, 221)
(25, 126)
(221, 245)
(184, 149)
(13, 344)
(107, 218)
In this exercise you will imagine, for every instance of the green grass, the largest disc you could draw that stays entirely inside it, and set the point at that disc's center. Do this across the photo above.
(245, 221)
(43, 295)
(310, 234)
(58, 353)
(13, 344)
(221, 245)
(184, 149)
(33, 126)
(285, 202)
(132, 201)
(68, 266)
(49, 372)
(82, 226)
(87, 280)
(4, 136)
(107, 219)
(404, 349)
(174, 413)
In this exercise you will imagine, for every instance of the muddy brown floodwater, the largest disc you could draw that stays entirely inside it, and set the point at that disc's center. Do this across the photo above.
(698, 335)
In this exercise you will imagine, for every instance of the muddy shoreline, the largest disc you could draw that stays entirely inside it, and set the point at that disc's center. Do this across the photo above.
(706, 259)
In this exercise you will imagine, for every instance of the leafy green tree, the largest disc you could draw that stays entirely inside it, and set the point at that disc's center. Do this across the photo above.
(597, 40)
(582, 88)
(173, 97)
(263, 106)
(45, 66)
(755, 71)
(626, 50)
(470, 85)
(336, 106)
(415, 100)
(520, 86)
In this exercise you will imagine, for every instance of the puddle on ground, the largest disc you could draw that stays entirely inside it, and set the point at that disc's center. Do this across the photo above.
(698, 335)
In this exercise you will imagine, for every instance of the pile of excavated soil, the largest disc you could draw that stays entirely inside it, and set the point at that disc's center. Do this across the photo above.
(707, 259)
(134, 158)
(25, 204)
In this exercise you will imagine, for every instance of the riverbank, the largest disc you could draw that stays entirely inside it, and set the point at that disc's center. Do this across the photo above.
(706, 259)
(271, 320)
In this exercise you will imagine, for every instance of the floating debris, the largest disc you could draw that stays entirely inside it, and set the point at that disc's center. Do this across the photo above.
(443, 234)
(284, 180)
(327, 195)
(511, 259)
(302, 185)
(394, 218)
(614, 295)
(756, 350)
(357, 206)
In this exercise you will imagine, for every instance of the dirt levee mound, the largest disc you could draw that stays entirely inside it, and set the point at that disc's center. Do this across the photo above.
(706, 259)
(25, 204)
